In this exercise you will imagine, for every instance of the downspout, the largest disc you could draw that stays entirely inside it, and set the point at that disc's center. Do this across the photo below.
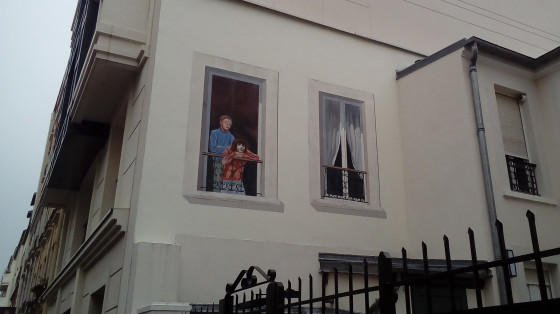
(488, 189)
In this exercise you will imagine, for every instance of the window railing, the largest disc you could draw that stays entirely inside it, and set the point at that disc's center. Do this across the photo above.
(344, 183)
(522, 175)
(242, 176)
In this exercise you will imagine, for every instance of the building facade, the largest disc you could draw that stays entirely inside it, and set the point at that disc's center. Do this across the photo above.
(355, 134)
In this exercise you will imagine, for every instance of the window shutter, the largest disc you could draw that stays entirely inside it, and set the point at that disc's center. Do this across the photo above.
(512, 126)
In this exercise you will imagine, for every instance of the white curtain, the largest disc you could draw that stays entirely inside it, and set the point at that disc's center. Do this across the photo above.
(332, 130)
(353, 126)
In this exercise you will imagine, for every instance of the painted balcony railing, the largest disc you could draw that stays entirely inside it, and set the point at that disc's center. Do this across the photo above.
(522, 175)
(242, 176)
(344, 183)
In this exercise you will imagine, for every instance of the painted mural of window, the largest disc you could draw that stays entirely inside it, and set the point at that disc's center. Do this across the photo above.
(342, 148)
(231, 133)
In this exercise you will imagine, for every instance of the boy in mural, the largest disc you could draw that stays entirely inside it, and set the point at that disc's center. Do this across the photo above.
(220, 139)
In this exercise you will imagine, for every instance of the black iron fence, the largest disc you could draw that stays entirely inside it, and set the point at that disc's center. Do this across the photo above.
(246, 294)
(522, 175)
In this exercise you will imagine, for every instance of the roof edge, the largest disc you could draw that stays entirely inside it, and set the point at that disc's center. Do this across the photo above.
(489, 48)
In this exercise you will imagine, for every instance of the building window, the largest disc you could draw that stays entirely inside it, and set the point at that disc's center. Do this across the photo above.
(231, 115)
(343, 164)
(521, 172)
(96, 301)
(533, 284)
(232, 101)
(342, 156)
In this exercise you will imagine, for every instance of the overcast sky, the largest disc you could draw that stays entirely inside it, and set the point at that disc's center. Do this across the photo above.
(34, 49)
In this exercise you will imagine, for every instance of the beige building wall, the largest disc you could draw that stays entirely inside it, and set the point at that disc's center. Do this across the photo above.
(541, 143)
(298, 52)
(444, 190)
(444, 185)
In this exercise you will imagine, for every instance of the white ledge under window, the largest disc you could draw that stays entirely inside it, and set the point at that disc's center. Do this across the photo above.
(235, 201)
(167, 307)
(336, 206)
(529, 197)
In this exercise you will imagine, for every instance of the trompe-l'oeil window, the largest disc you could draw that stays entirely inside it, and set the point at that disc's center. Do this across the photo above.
(342, 148)
(231, 133)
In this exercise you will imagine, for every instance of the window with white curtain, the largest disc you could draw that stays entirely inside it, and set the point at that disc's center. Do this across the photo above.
(343, 166)
(342, 148)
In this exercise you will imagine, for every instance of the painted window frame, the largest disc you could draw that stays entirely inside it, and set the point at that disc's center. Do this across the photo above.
(373, 206)
(206, 114)
(342, 103)
(269, 128)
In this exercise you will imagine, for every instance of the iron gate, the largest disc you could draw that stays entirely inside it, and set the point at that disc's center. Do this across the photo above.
(246, 296)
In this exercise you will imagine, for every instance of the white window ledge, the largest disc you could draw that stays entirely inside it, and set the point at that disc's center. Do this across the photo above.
(336, 206)
(235, 201)
(165, 307)
(532, 198)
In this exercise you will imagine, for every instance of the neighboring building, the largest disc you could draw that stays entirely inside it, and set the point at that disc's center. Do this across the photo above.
(12, 276)
(360, 144)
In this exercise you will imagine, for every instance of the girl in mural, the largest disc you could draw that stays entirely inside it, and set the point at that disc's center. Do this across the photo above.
(234, 160)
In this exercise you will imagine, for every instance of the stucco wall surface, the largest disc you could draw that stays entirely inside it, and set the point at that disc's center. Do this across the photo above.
(298, 52)
(443, 175)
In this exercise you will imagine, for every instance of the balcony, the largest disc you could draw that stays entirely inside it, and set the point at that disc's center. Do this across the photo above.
(344, 183)
(522, 175)
(104, 60)
(248, 171)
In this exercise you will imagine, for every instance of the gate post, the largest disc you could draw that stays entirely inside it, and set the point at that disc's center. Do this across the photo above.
(226, 305)
(275, 298)
(387, 297)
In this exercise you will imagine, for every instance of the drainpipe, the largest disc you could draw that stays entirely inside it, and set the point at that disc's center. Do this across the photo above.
(489, 191)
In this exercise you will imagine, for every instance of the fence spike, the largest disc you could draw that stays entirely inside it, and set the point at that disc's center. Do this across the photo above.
(505, 261)
(310, 294)
(427, 280)
(252, 299)
(474, 260)
(450, 278)
(386, 292)
(289, 297)
(405, 279)
(299, 295)
(537, 251)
